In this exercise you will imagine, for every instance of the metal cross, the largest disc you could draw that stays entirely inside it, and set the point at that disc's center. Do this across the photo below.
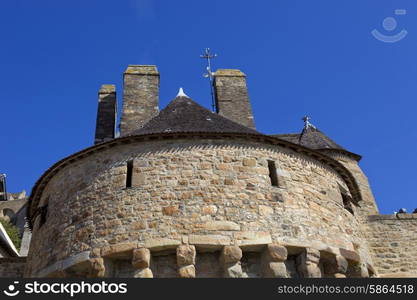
(307, 123)
(208, 56)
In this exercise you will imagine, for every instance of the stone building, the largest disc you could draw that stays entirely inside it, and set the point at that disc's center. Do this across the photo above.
(13, 210)
(185, 192)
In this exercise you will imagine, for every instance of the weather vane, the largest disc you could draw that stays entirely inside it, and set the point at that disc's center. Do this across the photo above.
(208, 56)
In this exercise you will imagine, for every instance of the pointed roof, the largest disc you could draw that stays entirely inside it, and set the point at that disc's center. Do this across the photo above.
(315, 139)
(311, 137)
(184, 115)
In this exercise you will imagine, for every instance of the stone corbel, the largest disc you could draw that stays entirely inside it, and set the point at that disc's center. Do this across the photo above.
(141, 260)
(273, 258)
(186, 261)
(308, 263)
(230, 260)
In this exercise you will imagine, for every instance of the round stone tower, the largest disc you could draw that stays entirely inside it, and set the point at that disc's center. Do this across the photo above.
(192, 193)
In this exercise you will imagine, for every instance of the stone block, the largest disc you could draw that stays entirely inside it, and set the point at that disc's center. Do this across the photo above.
(186, 255)
(249, 162)
(335, 264)
(251, 239)
(310, 271)
(97, 268)
(230, 254)
(209, 242)
(350, 255)
(143, 273)
(221, 225)
(341, 264)
(141, 258)
(170, 210)
(233, 271)
(312, 255)
(138, 179)
(265, 210)
(307, 263)
(209, 210)
(161, 244)
(276, 253)
(121, 250)
(187, 271)
(275, 270)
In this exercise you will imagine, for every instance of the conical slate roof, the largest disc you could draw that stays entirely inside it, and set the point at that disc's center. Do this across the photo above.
(184, 115)
(311, 138)
(315, 139)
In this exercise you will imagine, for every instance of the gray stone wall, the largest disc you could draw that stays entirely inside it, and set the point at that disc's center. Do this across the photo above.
(393, 244)
(206, 193)
(14, 205)
(12, 267)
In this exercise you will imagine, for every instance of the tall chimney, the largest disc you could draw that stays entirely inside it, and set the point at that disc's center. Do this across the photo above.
(106, 113)
(140, 97)
(231, 96)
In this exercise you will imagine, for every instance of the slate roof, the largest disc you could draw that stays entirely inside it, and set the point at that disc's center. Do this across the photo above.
(312, 138)
(184, 115)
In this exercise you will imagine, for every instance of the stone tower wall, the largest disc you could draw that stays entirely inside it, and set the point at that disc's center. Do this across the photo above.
(207, 195)
(368, 205)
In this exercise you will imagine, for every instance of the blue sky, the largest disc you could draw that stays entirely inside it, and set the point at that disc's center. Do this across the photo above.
(301, 57)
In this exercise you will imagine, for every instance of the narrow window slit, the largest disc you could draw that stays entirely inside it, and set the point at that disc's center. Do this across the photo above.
(273, 173)
(347, 204)
(43, 213)
(129, 174)
(346, 199)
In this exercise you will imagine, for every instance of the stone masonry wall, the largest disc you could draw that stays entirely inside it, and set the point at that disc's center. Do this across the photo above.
(207, 193)
(393, 244)
(368, 204)
(12, 267)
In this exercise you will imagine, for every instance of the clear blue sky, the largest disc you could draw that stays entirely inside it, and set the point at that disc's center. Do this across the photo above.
(301, 57)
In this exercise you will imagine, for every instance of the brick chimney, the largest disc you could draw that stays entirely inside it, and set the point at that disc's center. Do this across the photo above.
(106, 114)
(140, 97)
(231, 96)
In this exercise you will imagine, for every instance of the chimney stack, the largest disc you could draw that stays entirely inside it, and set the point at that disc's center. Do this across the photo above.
(106, 114)
(231, 96)
(140, 97)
